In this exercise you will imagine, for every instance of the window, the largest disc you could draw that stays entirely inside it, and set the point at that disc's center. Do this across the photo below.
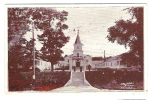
(77, 47)
(111, 63)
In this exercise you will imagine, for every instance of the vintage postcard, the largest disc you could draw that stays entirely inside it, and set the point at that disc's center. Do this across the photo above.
(76, 48)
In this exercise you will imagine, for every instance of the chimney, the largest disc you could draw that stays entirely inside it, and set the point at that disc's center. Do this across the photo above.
(104, 55)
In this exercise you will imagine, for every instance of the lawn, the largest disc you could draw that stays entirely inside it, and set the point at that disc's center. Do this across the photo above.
(45, 81)
(115, 79)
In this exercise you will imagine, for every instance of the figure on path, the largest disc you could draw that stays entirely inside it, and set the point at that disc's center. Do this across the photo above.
(89, 67)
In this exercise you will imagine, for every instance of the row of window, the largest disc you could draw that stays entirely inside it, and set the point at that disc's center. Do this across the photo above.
(41, 63)
(111, 63)
(86, 60)
(98, 64)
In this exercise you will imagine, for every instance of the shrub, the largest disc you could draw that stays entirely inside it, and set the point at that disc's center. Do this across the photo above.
(16, 81)
(106, 75)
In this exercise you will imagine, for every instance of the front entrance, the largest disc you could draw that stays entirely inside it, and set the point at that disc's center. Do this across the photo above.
(77, 64)
(78, 67)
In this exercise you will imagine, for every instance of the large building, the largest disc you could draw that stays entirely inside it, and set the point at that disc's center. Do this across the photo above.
(80, 62)
(77, 60)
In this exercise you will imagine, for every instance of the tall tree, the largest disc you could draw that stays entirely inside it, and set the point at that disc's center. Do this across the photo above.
(130, 34)
(53, 41)
(51, 22)
(18, 24)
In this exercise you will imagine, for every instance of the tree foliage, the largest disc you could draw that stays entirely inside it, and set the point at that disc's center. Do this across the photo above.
(18, 24)
(20, 21)
(16, 54)
(22, 54)
(53, 40)
(130, 34)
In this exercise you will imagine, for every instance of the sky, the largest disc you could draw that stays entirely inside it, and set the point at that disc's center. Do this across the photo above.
(92, 24)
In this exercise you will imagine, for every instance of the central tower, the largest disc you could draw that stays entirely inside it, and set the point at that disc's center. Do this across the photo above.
(78, 47)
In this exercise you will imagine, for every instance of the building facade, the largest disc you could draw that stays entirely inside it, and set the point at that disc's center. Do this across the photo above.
(42, 65)
(79, 61)
(114, 62)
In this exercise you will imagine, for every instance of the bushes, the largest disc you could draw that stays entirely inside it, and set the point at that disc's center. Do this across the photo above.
(106, 75)
(16, 82)
(52, 78)
(128, 76)
(63, 68)
(44, 80)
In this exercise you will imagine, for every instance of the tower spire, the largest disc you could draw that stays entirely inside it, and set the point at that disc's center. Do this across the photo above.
(78, 39)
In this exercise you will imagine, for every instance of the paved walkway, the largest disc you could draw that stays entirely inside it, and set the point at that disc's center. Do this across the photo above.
(77, 83)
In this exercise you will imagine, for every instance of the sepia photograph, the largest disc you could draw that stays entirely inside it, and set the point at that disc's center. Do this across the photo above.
(76, 48)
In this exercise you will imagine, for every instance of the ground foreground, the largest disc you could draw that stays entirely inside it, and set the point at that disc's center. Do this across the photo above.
(62, 81)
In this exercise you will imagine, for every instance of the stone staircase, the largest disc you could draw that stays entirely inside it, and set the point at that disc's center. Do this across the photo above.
(77, 79)
(77, 83)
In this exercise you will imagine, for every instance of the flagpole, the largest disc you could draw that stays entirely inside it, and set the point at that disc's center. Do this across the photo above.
(33, 51)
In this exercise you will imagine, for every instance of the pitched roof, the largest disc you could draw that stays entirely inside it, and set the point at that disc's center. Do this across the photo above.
(78, 40)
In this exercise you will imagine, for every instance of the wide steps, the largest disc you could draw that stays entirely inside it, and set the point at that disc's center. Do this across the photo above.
(77, 77)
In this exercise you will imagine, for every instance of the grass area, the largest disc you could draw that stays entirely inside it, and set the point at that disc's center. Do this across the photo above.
(45, 81)
(115, 79)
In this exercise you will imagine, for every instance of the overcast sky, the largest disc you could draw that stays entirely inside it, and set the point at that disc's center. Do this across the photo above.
(92, 24)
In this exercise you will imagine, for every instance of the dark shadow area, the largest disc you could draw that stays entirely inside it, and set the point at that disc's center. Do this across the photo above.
(45, 81)
(114, 79)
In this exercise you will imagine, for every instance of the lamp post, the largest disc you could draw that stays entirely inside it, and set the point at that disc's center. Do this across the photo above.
(33, 51)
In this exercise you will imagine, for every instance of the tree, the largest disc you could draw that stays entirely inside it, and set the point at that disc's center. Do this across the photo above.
(28, 62)
(52, 41)
(53, 38)
(130, 34)
(18, 24)
(16, 54)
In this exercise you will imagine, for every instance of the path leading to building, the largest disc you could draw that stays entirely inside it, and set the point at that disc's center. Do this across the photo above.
(77, 83)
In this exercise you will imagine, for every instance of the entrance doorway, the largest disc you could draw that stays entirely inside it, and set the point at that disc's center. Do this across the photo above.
(77, 64)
